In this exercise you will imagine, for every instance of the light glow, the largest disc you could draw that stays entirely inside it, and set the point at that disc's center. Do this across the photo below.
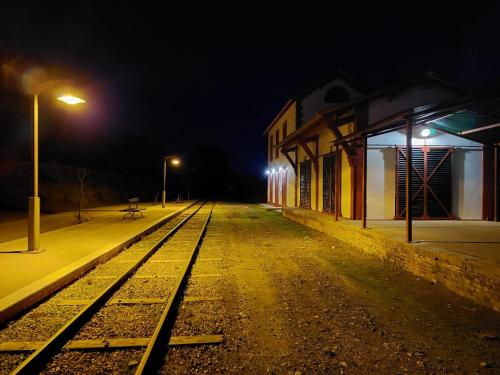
(176, 162)
(267, 172)
(70, 99)
(425, 132)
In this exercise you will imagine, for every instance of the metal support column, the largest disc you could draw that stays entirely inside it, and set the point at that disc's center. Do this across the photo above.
(365, 168)
(34, 201)
(409, 225)
(495, 184)
(164, 193)
(338, 160)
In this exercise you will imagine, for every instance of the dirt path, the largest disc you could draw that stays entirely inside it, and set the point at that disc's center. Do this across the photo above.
(297, 301)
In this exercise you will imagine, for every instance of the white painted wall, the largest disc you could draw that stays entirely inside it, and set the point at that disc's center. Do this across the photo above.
(467, 183)
(290, 188)
(381, 183)
(414, 96)
(315, 101)
(467, 175)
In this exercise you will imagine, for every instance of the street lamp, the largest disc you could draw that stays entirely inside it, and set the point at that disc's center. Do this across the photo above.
(174, 161)
(34, 201)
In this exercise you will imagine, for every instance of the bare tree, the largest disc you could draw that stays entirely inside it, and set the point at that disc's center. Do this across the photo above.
(82, 174)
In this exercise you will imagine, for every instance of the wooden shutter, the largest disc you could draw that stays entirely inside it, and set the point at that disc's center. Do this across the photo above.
(329, 163)
(305, 184)
(431, 183)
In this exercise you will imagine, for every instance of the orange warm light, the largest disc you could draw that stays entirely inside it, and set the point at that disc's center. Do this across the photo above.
(176, 162)
(70, 99)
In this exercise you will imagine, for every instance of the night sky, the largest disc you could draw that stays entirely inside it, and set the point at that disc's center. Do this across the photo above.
(182, 77)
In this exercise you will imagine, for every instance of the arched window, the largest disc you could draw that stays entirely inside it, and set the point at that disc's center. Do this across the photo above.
(337, 94)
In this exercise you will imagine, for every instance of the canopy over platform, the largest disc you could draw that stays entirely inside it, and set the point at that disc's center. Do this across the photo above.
(479, 122)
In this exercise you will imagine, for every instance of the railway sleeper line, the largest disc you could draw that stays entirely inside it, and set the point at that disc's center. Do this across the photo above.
(155, 345)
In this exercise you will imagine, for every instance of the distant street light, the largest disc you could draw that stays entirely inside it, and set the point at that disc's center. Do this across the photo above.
(70, 99)
(34, 201)
(174, 161)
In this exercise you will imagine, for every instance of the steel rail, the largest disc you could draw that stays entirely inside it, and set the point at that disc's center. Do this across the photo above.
(162, 333)
(56, 342)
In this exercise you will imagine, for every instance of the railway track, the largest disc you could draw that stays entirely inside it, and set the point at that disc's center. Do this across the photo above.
(118, 317)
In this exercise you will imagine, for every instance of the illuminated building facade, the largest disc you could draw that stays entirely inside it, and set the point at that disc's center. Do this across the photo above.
(341, 149)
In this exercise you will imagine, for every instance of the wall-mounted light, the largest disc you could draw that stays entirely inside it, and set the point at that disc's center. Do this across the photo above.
(267, 172)
(425, 132)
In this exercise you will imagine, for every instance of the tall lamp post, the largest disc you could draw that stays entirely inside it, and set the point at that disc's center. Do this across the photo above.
(174, 161)
(34, 201)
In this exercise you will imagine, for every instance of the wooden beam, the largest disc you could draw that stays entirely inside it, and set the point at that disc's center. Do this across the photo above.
(172, 276)
(202, 298)
(332, 125)
(136, 301)
(196, 340)
(290, 160)
(103, 277)
(309, 153)
(106, 344)
(312, 138)
(74, 302)
(209, 259)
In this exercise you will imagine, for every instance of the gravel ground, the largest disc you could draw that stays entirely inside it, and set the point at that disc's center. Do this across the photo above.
(206, 267)
(298, 302)
(172, 254)
(38, 324)
(204, 287)
(86, 287)
(146, 288)
(112, 268)
(200, 318)
(87, 362)
(168, 268)
(122, 321)
(8, 361)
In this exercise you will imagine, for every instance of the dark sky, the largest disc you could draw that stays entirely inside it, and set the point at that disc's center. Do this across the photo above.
(192, 75)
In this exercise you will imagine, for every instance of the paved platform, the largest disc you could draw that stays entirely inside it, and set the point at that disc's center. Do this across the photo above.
(478, 239)
(462, 255)
(70, 248)
(268, 206)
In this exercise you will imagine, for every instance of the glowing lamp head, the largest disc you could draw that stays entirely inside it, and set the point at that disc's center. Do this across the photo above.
(176, 162)
(425, 132)
(70, 99)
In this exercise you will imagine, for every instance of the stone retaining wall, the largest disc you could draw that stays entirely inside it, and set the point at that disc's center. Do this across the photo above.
(465, 275)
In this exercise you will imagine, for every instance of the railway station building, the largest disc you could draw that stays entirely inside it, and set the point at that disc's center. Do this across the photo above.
(342, 150)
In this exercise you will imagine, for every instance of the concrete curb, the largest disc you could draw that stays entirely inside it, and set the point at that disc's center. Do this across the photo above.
(465, 275)
(27, 296)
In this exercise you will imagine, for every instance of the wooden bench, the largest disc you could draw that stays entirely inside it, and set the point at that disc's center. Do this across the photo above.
(133, 209)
